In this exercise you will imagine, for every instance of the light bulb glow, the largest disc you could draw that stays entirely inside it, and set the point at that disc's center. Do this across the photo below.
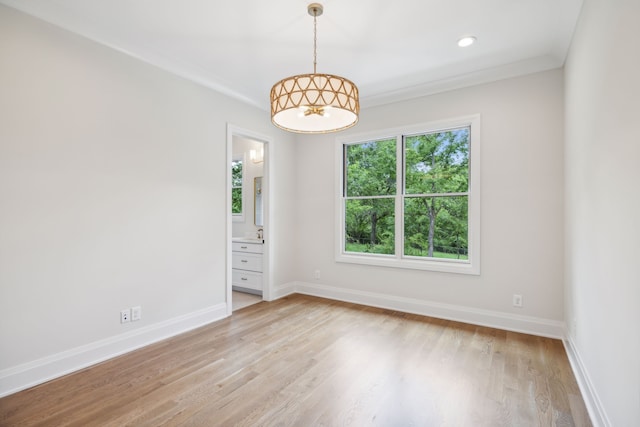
(466, 41)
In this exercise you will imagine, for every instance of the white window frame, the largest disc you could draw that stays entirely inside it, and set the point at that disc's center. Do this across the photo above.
(397, 260)
(239, 217)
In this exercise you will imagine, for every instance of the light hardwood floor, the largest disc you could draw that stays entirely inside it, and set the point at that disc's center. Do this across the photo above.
(305, 361)
(243, 299)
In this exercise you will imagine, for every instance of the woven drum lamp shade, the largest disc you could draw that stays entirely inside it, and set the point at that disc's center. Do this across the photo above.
(314, 103)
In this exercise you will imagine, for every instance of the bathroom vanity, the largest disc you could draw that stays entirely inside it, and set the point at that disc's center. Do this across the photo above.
(247, 265)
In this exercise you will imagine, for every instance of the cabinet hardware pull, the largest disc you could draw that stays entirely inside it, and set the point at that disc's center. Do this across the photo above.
(243, 247)
(243, 278)
(244, 260)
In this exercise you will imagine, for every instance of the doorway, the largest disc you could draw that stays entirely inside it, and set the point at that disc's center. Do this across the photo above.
(249, 235)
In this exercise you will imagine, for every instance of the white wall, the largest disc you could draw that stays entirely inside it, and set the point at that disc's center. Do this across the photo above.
(522, 206)
(112, 192)
(603, 207)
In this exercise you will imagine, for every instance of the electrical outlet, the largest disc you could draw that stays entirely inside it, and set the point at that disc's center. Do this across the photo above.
(517, 300)
(125, 316)
(136, 313)
(316, 274)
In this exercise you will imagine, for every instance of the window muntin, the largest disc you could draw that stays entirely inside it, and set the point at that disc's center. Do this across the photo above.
(415, 208)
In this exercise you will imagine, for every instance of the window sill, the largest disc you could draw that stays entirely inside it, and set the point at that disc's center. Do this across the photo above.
(440, 265)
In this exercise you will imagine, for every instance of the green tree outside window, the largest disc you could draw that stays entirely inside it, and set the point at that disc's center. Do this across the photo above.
(433, 195)
(236, 187)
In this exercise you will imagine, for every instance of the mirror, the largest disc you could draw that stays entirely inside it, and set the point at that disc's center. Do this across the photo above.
(257, 201)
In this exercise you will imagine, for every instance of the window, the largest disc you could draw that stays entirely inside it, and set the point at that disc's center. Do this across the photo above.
(236, 188)
(411, 200)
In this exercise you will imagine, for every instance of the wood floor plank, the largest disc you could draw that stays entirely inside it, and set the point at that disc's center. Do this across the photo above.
(306, 361)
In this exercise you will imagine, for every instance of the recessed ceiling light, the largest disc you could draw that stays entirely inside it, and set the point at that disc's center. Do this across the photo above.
(466, 41)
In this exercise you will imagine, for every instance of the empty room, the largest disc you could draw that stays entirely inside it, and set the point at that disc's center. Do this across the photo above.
(413, 213)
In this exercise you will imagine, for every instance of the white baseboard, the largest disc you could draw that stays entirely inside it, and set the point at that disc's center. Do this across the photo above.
(36, 372)
(591, 400)
(39, 371)
(284, 290)
(494, 319)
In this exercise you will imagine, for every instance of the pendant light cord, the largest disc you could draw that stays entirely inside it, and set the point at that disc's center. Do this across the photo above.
(315, 42)
(301, 103)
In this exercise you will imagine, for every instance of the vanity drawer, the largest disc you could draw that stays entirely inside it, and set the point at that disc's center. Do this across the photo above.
(247, 261)
(247, 279)
(255, 248)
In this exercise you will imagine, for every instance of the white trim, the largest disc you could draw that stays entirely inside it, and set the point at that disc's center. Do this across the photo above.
(447, 84)
(167, 63)
(493, 319)
(378, 96)
(591, 400)
(47, 368)
(284, 290)
(443, 265)
(470, 266)
(269, 158)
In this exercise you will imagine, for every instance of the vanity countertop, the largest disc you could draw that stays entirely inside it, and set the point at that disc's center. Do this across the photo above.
(247, 240)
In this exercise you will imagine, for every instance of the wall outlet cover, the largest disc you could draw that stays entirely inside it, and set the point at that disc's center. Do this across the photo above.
(517, 300)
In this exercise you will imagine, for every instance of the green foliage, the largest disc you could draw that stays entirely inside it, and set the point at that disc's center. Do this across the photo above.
(437, 162)
(236, 173)
(370, 223)
(435, 221)
(371, 169)
(236, 187)
(236, 200)
(450, 227)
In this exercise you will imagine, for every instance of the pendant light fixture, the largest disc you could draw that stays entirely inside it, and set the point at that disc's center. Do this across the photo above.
(314, 103)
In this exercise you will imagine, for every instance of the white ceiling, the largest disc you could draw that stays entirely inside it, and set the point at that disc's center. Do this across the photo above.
(391, 50)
